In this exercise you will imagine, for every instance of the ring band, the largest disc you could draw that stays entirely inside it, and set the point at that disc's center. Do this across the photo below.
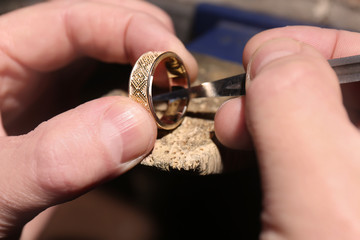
(140, 85)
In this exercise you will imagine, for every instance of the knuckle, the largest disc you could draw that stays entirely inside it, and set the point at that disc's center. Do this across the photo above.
(68, 161)
(53, 165)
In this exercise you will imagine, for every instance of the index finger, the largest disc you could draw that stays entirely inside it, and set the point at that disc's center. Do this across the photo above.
(47, 36)
(330, 43)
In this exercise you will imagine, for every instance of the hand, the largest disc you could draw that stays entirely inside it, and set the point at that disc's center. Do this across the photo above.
(307, 146)
(76, 150)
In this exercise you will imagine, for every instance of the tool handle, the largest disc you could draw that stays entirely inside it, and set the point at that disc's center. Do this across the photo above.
(347, 69)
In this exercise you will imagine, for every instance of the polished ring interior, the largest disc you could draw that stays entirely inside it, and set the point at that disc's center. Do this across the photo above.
(141, 81)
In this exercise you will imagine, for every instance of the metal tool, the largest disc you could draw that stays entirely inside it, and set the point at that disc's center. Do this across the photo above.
(347, 70)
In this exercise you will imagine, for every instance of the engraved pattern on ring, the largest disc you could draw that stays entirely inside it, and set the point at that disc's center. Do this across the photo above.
(139, 78)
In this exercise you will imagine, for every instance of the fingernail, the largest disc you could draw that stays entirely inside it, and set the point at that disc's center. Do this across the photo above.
(128, 132)
(269, 52)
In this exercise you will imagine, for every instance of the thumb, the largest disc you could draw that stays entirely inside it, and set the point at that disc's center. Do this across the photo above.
(68, 155)
(304, 141)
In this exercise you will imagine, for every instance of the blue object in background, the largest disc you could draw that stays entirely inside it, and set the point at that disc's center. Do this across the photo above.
(226, 41)
(222, 31)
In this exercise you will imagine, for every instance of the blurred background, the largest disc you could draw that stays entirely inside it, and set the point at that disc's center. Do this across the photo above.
(147, 203)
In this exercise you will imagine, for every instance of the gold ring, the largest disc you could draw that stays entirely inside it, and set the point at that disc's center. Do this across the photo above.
(159, 65)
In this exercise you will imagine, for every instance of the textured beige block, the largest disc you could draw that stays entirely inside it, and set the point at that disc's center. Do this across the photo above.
(189, 147)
